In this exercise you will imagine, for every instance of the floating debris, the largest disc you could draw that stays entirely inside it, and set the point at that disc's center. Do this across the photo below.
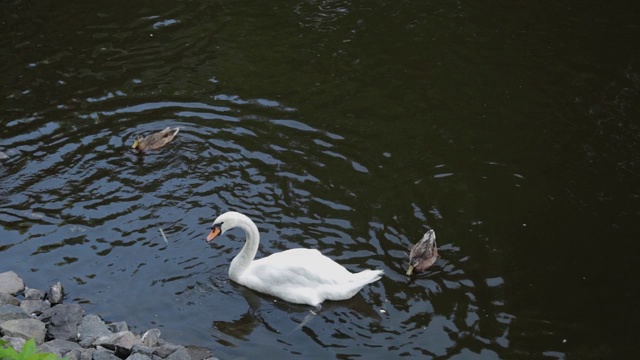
(164, 237)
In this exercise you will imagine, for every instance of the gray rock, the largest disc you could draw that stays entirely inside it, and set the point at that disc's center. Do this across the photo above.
(34, 294)
(103, 354)
(118, 326)
(10, 283)
(74, 354)
(180, 354)
(59, 347)
(166, 349)
(199, 352)
(36, 307)
(121, 342)
(141, 349)
(80, 354)
(150, 338)
(24, 328)
(12, 312)
(55, 293)
(14, 342)
(7, 299)
(138, 356)
(63, 321)
(91, 327)
(66, 324)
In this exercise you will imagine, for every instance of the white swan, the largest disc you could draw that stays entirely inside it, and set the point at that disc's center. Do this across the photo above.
(299, 276)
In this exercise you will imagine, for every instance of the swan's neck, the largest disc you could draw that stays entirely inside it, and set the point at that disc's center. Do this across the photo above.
(243, 260)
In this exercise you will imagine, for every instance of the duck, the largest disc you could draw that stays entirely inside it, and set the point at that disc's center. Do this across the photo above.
(299, 276)
(155, 141)
(423, 254)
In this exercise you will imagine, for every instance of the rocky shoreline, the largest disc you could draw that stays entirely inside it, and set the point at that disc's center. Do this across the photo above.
(65, 330)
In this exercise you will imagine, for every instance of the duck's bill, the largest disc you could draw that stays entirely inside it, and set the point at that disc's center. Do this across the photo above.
(214, 232)
(135, 144)
(410, 271)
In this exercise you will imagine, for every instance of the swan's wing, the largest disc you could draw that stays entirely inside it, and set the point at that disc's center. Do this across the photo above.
(304, 276)
(302, 267)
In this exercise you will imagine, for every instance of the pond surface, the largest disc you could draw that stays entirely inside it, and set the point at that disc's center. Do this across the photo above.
(511, 129)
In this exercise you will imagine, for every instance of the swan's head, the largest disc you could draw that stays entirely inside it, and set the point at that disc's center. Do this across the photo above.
(224, 222)
(424, 253)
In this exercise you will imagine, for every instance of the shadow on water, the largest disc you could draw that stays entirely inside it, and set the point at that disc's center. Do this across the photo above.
(349, 127)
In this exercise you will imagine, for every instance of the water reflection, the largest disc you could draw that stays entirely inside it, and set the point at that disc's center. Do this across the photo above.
(267, 312)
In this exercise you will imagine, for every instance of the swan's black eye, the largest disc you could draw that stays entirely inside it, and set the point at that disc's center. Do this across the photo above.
(219, 226)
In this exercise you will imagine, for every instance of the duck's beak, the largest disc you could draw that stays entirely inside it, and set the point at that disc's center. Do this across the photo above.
(135, 144)
(214, 232)
(410, 271)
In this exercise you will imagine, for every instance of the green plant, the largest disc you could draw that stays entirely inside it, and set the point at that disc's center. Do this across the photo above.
(28, 352)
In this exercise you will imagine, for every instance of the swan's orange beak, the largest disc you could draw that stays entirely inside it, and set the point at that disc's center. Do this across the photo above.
(214, 232)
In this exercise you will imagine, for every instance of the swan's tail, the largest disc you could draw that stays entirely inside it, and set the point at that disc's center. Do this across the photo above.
(350, 287)
(367, 276)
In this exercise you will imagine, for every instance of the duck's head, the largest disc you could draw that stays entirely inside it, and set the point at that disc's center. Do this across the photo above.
(138, 144)
(424, 253)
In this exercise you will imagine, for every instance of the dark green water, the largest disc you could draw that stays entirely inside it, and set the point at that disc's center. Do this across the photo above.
(510, 128)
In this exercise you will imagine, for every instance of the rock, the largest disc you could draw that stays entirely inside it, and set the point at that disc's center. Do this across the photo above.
(63, 321)
(124, 339)
(166, 349)
(104, 354)
(6, 299)
(74, 336)
(141, 349)
(121, 342)
(199, 352)
(73, 355)
(91, 327)
(118, 326)
(24, 328)
(58, 347)
(14, 342)
(10, 283)
(180, 354)
(55, 293)
(138, 356)
(80, 354)
(150, 338)
(34, 294)
(36, 307)
(12, 312)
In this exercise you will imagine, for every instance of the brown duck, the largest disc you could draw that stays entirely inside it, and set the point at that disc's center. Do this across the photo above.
(155, 141)
(423, 254)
